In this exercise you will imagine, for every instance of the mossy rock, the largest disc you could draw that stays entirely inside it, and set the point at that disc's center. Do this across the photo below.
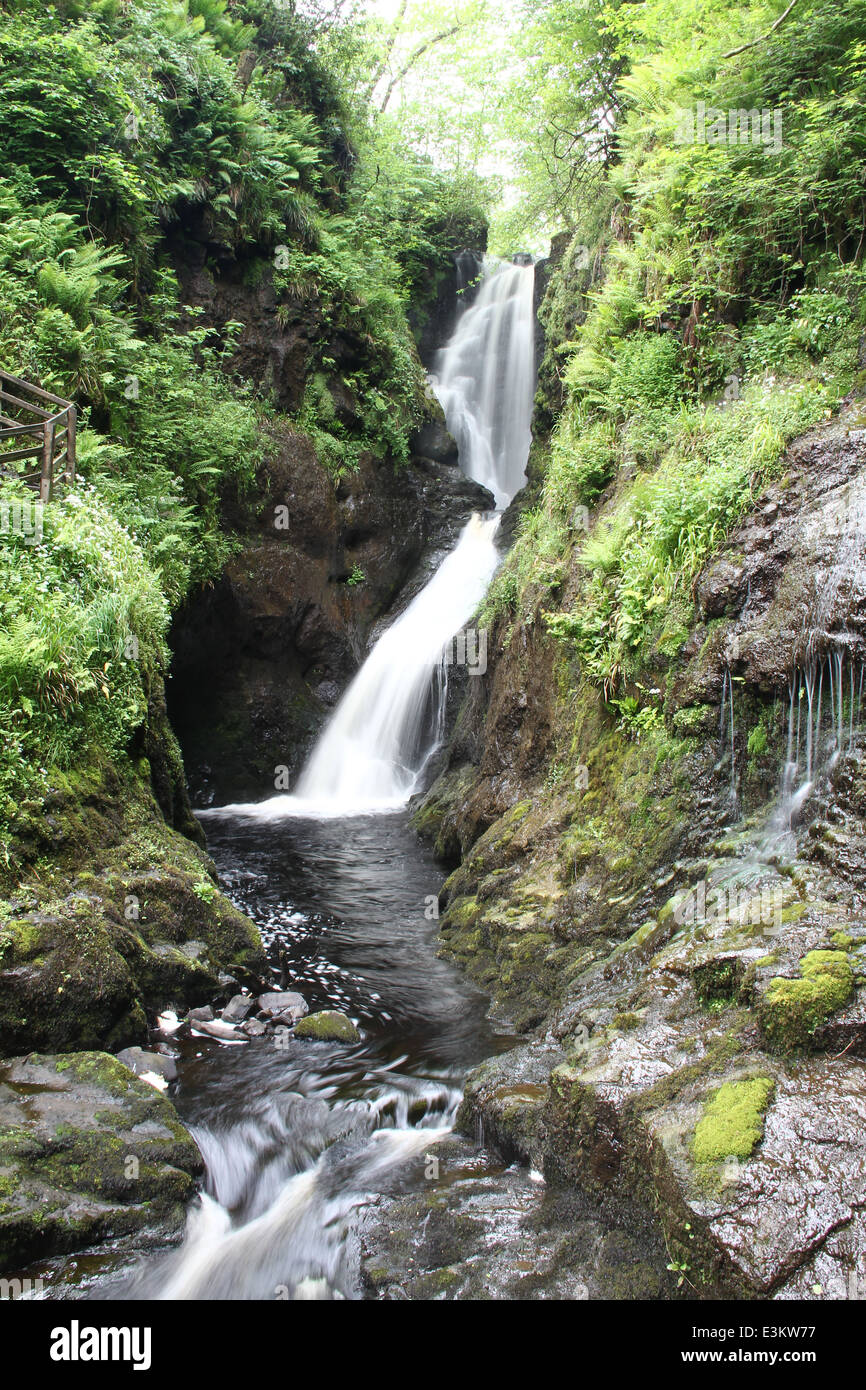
(791, 1010)
(88, 1152)
(719, 981)
(99, 932)
(327, 1026)
(694, 721)
(732, 1124)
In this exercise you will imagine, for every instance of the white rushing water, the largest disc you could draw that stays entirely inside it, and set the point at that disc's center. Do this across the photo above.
(485, 380)
(375, 749)
(380, 738)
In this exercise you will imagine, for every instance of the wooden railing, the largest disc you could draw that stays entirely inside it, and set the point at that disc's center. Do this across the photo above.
(52, 433)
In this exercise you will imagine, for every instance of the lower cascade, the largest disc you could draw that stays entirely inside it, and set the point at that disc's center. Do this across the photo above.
(374, 751)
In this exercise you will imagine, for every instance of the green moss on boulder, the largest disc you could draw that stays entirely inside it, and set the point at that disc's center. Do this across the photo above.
(88, 1153)
(118, 914)
(791, 1010)
(327, 1026)
(733, 1120)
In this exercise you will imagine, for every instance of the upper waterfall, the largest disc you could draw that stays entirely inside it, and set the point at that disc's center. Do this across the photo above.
(485, 379)
(375, 749)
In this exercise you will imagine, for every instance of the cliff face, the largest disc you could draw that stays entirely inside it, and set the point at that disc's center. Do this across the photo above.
(689, 979)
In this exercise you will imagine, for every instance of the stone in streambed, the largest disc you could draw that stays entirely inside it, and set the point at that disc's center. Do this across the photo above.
(254, 1028)
(328, 1026)
(140, 1061)
(204, 1014)
(222, 1032)
(237, 1009)
(284, 1006)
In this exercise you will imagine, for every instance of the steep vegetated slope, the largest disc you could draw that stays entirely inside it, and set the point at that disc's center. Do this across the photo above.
(682, 611)
(193, 250)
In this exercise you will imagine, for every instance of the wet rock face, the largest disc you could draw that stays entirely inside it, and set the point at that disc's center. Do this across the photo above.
(88, 1153)
(260, 658)
(479, 1230)
(123, 918)
(688, 978)
(273, 351)
(793, 566)
(450, 287)
(653, 1090)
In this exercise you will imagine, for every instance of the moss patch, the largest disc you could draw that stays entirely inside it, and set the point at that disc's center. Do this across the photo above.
(791, 1010)
(733, 1120)
(327, 1026)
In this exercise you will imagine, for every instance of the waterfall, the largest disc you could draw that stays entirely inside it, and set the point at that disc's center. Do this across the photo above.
(485, 380)
(375, 749)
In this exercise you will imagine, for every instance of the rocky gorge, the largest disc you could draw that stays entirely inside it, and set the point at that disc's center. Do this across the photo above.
(672, 1069)
(432, 781)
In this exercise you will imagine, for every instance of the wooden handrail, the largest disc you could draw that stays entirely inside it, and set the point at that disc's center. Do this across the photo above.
(34, 390)
(57, 430)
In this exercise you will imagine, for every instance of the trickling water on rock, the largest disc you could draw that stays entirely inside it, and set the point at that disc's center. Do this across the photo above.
(727, 734)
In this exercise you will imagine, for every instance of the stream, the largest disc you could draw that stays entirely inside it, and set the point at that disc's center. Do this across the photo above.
(298, 1136)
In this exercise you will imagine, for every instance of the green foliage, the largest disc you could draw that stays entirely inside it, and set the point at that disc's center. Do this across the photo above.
(134, 114)
(532, 569)
(178, 432)
(129, 130)
(651, 545)
(719, 306)
(83, 621)
(356, 285)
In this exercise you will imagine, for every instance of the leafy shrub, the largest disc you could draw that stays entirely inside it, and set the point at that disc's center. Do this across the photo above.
(83, 622)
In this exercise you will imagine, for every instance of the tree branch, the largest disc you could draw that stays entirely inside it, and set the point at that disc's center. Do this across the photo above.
(381, 67)
(413, 58)
(732, 53)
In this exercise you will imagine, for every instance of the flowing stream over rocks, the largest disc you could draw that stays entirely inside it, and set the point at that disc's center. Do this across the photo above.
(302, 1138)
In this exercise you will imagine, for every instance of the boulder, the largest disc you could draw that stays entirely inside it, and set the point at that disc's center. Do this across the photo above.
(283, 1006)
(222, 1032)
(237, 1009)
(141, 1062)
(254, 1028)
(327, 1026)
(88, 1153)
(204, 1014)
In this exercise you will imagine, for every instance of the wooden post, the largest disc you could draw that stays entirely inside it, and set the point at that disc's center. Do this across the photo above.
(70, 445)
(47, 461)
